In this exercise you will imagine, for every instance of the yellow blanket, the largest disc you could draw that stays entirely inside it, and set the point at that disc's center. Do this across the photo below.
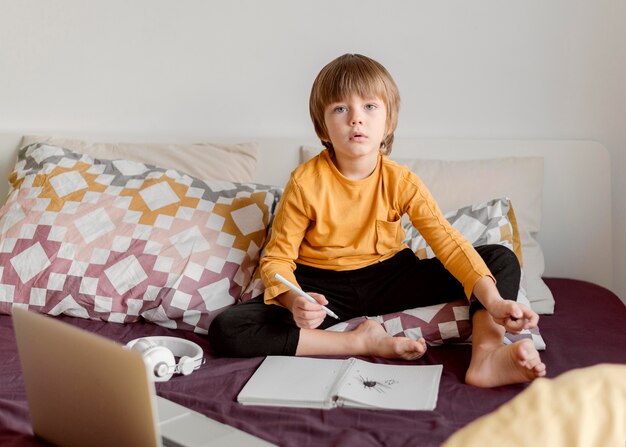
(584, 407)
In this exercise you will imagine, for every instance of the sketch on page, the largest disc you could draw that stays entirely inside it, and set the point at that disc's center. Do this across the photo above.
(380, 386)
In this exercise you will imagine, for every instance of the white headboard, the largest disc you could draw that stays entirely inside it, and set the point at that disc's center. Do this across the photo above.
(576, 221)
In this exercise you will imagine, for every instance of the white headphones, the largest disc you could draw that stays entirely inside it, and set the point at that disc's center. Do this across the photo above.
(159, 354)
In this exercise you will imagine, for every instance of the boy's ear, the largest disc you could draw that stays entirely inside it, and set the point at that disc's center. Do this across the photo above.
(385, 145)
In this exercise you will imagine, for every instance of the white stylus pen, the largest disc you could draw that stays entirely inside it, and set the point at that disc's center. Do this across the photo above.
(304, 294)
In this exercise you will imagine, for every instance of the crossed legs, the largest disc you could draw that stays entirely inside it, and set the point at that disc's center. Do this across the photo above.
(253, 328)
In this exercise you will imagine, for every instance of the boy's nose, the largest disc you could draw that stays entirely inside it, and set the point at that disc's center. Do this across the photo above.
(356, 119)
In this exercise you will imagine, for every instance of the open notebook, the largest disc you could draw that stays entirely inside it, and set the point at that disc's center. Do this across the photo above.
(328, 383)
(85, 390)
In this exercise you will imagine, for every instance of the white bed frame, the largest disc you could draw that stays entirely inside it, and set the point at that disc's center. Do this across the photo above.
(576, 227)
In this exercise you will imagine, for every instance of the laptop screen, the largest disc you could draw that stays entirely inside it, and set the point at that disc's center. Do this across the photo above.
(83, 389)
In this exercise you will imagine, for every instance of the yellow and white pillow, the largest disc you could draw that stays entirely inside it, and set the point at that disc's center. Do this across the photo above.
(116, 240)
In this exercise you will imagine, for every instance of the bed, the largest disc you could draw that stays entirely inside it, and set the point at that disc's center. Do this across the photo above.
(568, 228)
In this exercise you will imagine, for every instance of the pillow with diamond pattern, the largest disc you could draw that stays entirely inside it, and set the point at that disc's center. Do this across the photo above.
(117, 240)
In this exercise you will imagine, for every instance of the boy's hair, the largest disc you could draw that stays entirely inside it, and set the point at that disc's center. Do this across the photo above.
(353, 74)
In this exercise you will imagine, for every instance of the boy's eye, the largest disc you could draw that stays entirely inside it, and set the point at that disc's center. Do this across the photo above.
(341, 109)
(371, 106)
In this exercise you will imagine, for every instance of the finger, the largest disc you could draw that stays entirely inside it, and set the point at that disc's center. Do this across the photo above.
(531, 318)
(515, 311)
(311, 311)
(513, 328)
(303, 303)
(312, 314)
(503, 321)
(307, 315)
(321, 299)
(422, 342)
(507, 323)
(531, 322)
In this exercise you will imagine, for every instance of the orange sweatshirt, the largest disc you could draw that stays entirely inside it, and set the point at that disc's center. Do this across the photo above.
(327, 221)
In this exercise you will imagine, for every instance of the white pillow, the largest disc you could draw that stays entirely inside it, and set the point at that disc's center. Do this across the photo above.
(455, 183)
(206, 161)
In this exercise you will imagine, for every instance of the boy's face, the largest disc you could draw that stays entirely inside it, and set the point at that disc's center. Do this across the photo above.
(356, 126)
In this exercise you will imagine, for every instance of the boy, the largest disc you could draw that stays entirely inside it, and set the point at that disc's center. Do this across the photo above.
(337, 234)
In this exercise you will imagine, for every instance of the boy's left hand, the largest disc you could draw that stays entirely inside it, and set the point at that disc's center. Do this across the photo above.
(513, 316)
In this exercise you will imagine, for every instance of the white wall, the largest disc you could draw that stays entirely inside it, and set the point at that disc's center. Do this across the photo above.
(243, 68)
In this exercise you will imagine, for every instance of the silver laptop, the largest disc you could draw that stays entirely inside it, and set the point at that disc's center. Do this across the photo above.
(86, 390)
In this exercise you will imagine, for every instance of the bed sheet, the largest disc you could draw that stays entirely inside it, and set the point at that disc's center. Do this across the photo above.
(586, 329)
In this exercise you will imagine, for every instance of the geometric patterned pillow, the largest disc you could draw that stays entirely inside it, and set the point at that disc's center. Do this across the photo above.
(492, 222)
(438, 324)
(119, 240)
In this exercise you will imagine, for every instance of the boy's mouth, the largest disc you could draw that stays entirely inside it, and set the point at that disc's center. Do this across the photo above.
(357, 136)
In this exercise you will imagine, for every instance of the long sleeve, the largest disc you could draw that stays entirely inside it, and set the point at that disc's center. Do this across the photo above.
(282, 249)
(450, 247)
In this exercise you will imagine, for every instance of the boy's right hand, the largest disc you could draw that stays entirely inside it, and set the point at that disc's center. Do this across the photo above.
(307, 315)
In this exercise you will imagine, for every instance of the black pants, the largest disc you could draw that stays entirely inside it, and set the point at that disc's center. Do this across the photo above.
(253, 328)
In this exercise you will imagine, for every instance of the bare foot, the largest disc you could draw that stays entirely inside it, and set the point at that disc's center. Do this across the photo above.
(374, 340)
(504, 365)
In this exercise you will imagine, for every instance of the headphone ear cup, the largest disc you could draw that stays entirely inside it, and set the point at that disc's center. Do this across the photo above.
(185, 365)
(161, 362)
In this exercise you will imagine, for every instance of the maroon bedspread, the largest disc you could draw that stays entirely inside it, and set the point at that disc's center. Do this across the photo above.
(586, 329)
